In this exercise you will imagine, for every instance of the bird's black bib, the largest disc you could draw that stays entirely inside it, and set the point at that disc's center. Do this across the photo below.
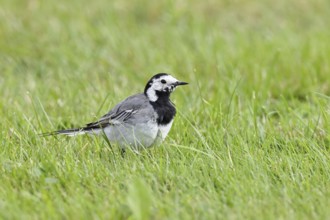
(164, 107)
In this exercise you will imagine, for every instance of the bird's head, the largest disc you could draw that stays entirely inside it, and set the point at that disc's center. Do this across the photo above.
(161, 85)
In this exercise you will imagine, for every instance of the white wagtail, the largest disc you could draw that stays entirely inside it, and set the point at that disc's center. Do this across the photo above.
(141, 120)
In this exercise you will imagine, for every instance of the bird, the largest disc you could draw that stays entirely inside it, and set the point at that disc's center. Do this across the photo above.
(140, 121)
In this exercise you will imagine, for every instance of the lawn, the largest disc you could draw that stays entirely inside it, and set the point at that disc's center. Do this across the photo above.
(250, 140)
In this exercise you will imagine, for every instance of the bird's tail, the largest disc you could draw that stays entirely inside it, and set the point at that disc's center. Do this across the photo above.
(68, 132)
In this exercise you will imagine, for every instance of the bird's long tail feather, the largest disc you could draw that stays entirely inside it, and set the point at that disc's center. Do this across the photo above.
(68, 132)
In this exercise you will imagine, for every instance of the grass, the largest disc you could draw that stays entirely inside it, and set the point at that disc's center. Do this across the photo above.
(251, 138)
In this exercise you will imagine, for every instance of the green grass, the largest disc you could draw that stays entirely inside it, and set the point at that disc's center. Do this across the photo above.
(251, 138)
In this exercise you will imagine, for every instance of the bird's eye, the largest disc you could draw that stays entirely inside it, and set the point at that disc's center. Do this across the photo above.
(163, 81)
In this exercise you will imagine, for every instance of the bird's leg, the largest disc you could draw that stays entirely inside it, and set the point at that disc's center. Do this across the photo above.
(122, 152)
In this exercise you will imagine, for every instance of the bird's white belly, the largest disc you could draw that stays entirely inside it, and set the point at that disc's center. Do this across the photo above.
(165, 129)
(141, 135)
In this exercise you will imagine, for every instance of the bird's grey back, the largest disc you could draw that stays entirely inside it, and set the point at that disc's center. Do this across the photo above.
(138, 103)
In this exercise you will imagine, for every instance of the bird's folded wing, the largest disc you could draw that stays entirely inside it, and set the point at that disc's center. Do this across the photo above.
(122, 112)
(112, 119)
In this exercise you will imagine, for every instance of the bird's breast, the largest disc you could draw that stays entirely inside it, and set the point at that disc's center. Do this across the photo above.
(164, 129)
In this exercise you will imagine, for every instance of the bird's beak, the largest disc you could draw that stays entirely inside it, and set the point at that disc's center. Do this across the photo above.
(178, 83)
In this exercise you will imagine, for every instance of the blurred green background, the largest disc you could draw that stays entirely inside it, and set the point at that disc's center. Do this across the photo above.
(250, 141)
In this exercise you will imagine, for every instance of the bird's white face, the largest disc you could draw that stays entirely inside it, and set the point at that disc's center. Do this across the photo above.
(163, 84)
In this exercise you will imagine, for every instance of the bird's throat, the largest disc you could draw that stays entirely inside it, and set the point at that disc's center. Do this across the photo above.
(158, 96)
(164, 108)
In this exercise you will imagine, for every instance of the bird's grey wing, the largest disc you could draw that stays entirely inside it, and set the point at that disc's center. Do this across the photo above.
(122, 112)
